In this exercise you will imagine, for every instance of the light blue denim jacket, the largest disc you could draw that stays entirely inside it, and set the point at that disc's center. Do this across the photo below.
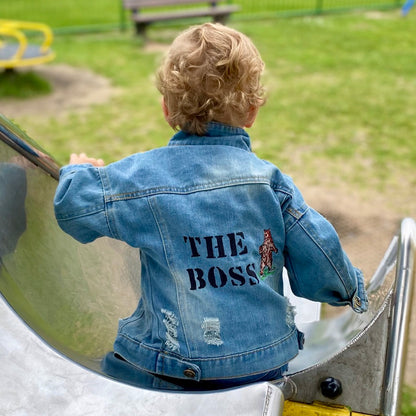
(214, 226)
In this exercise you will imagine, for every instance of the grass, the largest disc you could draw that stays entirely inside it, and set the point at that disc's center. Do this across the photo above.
(408, 407)
(62, 13)
(342, 87)
(22, 84)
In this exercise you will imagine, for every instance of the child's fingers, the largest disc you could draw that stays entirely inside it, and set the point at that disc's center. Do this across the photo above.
(99, 162)
(83, 158)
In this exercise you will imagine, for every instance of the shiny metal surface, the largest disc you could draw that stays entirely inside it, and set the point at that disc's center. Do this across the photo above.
(386, 266)
(401, 313)
(359, 367)
(36, 381)
(72, 295)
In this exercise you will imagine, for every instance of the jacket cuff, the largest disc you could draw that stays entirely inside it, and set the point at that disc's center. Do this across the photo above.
(71, 168)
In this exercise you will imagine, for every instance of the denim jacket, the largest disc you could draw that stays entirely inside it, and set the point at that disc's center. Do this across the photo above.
(214, 227)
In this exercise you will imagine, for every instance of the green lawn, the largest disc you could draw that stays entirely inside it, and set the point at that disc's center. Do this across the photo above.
(23, 85)
(408, 401)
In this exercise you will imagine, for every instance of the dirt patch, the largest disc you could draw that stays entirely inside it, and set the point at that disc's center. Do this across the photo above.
(376, 15)
(74, 89)
(365, 226)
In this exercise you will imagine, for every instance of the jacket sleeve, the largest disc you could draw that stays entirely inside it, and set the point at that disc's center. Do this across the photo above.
(79, 203)
(317, 266)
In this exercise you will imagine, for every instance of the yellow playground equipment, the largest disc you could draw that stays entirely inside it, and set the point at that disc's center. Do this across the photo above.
(15, 49)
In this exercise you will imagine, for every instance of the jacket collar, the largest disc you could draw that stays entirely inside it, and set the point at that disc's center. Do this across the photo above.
(217, 134)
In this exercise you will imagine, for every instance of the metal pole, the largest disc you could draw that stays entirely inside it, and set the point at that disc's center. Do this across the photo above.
(400, 318)
(319, 6)
(123, 24)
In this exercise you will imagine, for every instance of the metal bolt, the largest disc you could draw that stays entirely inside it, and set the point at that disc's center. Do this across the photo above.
(331, 388)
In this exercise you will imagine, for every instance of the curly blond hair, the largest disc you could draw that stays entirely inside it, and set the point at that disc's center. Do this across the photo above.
(211, 73)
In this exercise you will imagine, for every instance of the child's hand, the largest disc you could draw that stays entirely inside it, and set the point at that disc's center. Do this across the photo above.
(83, 158)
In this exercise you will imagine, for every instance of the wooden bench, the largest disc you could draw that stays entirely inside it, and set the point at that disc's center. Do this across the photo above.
(170, 11)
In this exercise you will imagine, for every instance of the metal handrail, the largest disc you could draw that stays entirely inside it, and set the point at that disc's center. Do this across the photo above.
(21, 142)
(400, 318)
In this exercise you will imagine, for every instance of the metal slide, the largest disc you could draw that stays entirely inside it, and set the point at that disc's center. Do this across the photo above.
(61, 302)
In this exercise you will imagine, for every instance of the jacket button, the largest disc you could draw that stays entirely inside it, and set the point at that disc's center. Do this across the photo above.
(356, 302)
(190, 373)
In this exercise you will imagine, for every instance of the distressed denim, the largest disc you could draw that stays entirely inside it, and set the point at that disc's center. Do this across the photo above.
(214, 226)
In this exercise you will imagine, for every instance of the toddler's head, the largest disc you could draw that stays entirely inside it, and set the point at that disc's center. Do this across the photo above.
(211, 73)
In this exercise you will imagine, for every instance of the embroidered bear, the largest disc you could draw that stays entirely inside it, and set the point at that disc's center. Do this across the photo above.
(266, 251)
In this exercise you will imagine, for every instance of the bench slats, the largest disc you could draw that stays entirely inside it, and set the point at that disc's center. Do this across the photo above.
(163, 16)
(137, 4)
(220, 13)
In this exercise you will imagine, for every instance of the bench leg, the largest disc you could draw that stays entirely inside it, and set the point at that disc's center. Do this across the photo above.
(141, 29)
(223, 18)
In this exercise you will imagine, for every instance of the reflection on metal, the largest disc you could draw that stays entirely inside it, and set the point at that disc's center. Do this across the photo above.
(385, 267)
(72, 295)
(18, 140)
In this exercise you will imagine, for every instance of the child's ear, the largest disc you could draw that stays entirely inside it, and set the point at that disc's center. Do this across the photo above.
(251, 116)
(165, 109)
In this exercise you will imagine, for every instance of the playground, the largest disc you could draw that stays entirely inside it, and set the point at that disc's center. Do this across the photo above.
(340, 115)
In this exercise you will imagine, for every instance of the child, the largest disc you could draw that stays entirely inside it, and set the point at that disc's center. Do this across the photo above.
(214, 224)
